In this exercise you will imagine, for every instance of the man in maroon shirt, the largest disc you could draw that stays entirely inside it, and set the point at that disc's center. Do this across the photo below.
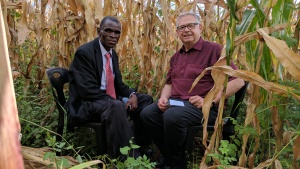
(168, 125)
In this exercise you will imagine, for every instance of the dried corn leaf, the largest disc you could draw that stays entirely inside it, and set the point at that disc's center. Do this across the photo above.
(277, 127)
(72, 6)
(98, 12)
(15, 74)
(227, 167)
(264, 164)
(249, 118)
(245, 38)
(14, 5)
(165, 8)
(88, 164)
(296, 149)
(254, 35)
(22, 24)
(34, 157)
(287, 137)
(90, 26)
(278, 164)
(241, 3)
(256, 79)
(210, 14)
(287, 57)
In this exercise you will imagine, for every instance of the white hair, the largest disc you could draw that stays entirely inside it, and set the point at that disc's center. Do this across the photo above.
(188, 13)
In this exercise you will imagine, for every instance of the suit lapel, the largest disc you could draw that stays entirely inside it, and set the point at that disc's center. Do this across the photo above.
(99, 60)
(115, 68)
(114, 60)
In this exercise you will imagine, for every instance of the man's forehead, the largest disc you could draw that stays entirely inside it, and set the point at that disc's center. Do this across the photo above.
(111, 24)
(186, 20)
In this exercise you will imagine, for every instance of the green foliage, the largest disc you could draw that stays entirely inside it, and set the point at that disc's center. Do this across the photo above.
(16, 15)
(227, 153)
(131, 78)
(60, 162)
(232, 9)
(141, 162)
(34, 106)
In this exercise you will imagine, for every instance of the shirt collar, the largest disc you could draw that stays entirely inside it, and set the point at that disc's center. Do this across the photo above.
(103, 50)
(198, 45)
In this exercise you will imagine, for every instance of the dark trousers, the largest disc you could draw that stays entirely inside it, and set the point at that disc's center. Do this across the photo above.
(113, 115)
(169, 129)
(141, 136)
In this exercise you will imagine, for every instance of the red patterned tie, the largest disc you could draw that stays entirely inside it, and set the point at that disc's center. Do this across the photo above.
(110, 87)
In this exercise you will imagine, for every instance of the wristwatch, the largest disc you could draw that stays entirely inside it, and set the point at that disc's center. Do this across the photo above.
(131, 94)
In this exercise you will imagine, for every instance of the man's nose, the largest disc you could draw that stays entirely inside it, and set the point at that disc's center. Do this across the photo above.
(114, 34)
(186, 28)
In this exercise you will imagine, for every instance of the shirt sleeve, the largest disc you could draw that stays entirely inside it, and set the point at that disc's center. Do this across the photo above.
(169, 79)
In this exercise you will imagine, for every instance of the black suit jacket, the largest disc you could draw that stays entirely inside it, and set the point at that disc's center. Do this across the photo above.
(85, 75)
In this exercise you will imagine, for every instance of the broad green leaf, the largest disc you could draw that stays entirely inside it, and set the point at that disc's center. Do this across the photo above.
(79, 159)
(246, 21)
(135, 146)
(260, 15)
(281, 12)
(125, 150)
(231, 4)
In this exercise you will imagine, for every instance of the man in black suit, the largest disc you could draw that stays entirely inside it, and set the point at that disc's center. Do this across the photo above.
(92, 99)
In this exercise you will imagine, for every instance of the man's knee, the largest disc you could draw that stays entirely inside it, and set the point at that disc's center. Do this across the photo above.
(149, 99)
(118, 108)
(118, 104)
(171, 118)
(144, 115)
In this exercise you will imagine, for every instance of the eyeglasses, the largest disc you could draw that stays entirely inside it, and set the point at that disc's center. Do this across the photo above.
(190, 26)
(108, 30)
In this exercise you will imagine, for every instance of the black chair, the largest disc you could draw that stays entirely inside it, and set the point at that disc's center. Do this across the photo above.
(228, 127)
(58, 77)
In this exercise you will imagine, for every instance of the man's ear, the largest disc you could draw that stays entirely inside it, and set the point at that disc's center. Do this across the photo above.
(99, 32)
(200, 27)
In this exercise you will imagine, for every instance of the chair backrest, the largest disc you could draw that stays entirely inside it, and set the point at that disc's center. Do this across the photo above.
(58, 77)
(239, 97)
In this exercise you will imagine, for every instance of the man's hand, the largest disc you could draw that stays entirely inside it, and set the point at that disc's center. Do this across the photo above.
(132, 103)
(196, 101)
(163, 104)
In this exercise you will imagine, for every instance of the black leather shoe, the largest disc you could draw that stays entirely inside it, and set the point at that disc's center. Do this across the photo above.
(160, 162)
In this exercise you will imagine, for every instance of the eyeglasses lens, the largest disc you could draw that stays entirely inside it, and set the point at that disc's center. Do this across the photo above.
(189, 26)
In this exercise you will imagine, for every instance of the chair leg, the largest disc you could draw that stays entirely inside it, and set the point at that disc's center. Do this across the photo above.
(190, 139)
(100, 141)
(228, 130)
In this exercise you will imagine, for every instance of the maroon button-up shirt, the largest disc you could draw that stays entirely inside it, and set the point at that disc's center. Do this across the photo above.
(185, 67)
